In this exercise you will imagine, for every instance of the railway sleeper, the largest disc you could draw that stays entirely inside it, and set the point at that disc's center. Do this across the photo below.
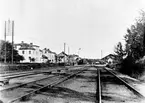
(4, 81)
(50, 72)
(59, 70)
(38, 85)
(34, 86)
(27, 97)
(56, 71)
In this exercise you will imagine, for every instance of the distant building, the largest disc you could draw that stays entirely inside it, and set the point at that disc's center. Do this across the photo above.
(48, 56)
(73, 59)
(30, 52)
(62, 58)
(68, 59)
(109, 58)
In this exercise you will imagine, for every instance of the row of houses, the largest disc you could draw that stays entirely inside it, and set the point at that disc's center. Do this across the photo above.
(33, 54)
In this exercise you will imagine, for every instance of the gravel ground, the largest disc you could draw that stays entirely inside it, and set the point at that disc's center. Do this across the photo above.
(82, 89)
(10, 94)
(21, 80)
(115, 92)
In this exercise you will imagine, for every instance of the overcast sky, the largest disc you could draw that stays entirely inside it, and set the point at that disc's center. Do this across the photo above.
(92, 25)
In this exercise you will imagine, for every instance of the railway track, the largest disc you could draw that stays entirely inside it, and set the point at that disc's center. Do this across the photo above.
(8, 77)
(4, 79)
(39, 85)
(49, 74)
(23, 84)
(27, 90)
(2, 73)
(17, 73)
(116, 78)
(31, 72)
(26, 73)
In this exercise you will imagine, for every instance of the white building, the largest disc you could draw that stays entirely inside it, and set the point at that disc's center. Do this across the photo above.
(48, 55)
(30, 52)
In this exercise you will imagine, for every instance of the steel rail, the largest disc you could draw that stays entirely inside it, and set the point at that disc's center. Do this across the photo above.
(20, 85)
(17, 76)
(126, 84)
(26, 74)
(50, 85)
(12, 74)
(13, 87)
(99, 86)
(34, 70)
(18, 71)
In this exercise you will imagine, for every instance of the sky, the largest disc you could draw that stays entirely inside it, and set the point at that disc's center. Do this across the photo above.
(92, 25)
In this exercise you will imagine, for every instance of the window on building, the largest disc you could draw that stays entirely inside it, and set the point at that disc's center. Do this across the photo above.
(23, 52)
(29, 52)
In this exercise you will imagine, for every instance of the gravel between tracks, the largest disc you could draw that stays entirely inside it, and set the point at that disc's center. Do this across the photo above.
(82, 89)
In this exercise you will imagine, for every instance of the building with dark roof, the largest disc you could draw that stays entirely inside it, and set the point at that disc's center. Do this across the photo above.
(109, 58)
(62, 57)
(73, 59)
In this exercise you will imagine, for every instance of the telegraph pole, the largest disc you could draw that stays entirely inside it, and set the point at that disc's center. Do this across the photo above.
(12, 41)
(68, 56)
(9, 31)
(64, 47)
(144, 41)
(68, 50)
(79, 51)
(5, 61)
(64, 54)
(101, 54)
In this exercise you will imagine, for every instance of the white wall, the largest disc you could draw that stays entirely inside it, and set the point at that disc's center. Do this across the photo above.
(36, 54)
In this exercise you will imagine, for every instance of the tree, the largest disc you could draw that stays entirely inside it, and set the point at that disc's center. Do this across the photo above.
(16, 56)
(119, 51)
(134, 48)
(134, 39)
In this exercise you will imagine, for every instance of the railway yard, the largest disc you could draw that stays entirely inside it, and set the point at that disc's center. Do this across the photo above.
(72, 84)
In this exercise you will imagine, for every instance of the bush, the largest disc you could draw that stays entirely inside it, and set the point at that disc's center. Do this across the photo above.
(131, 68)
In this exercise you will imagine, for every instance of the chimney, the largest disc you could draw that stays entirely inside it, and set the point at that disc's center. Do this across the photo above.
(22, 43)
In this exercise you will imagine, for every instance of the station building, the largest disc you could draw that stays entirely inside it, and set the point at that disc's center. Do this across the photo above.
(33, 54)
(30, 52)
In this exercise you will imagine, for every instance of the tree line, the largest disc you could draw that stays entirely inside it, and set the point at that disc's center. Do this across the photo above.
(16, 57)
(131, 57)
